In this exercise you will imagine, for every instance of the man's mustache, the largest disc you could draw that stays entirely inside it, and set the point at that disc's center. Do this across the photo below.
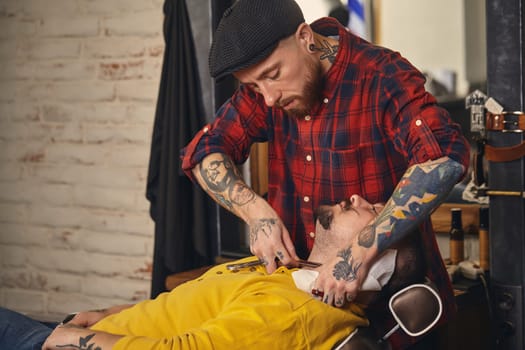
(324, 215)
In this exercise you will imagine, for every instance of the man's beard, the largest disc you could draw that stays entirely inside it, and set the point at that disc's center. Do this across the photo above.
(312, 92)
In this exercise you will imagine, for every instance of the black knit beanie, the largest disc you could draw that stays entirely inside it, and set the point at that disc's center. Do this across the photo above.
(249, 31)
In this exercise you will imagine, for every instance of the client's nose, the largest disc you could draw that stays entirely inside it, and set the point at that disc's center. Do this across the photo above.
(358, 201)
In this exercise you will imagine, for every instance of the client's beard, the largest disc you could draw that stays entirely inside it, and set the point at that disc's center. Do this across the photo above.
(312, 92)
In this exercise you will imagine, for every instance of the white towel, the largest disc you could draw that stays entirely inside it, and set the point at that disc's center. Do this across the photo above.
(378, 275)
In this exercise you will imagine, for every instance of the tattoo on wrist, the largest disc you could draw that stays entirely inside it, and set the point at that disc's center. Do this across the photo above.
(346, 269)
(264, 226)
(82, 344)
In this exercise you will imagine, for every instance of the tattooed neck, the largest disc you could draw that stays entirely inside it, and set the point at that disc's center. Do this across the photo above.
(328, 51)
(346, 269)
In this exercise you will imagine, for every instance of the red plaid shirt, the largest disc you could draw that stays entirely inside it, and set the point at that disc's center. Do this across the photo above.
(375, 121)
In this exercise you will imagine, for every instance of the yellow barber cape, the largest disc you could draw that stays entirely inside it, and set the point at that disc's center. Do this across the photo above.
(249, 309)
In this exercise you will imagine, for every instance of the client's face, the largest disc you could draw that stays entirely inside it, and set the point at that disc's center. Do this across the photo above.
(348, 217)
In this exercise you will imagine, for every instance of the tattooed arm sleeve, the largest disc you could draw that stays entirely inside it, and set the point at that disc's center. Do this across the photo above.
(269, 238)
(74, 337)
(421, 189)
(220, 178)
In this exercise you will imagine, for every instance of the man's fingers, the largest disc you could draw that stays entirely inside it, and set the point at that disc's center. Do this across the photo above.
(288, 244)
(339, 300)
(270, 264)
(283, 258)
(328, 298)
(350, 298)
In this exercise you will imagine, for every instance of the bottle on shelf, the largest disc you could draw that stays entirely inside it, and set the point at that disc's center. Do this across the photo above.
(456, 237)
(484, 255)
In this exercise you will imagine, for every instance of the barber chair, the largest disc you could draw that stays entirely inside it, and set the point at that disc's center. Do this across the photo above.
(416, 309)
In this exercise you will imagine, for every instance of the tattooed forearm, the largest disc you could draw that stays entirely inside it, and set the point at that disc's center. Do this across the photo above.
(346, 269)
(223, 201)
(220, 176)
(264, 226)
(82, 344)
(241, 194)
(99, 310)
(420, 191)
(367, 236)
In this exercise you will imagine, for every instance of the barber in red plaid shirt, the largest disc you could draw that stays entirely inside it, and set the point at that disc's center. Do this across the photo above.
(341, 116)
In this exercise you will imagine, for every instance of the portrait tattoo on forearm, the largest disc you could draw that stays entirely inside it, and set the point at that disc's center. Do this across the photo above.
(241, 194)
(225, 182)
(219, 174)
(264, 226)
(420, 191)
(346, 269)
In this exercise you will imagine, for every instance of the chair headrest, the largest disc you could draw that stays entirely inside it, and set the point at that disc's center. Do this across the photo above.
(416, 308)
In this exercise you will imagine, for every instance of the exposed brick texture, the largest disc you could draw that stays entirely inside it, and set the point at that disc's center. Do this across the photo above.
(79, 82)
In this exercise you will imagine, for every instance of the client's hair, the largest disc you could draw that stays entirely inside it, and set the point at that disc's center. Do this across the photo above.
(410, 264)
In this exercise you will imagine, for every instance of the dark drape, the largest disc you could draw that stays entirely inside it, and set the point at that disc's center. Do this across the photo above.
(180, 210)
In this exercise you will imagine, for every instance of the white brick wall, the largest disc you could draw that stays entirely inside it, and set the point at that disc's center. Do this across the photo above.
(79, 82)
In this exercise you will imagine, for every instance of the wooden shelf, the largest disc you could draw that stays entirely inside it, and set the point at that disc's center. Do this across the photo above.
(470, 217)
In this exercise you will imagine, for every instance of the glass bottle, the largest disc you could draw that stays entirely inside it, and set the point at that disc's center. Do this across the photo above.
(484, 261)
(456, 237)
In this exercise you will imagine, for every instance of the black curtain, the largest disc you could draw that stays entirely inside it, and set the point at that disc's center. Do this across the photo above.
(182, 212)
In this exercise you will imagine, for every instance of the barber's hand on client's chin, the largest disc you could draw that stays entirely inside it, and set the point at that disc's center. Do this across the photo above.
(339, 281)
(271, 242)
